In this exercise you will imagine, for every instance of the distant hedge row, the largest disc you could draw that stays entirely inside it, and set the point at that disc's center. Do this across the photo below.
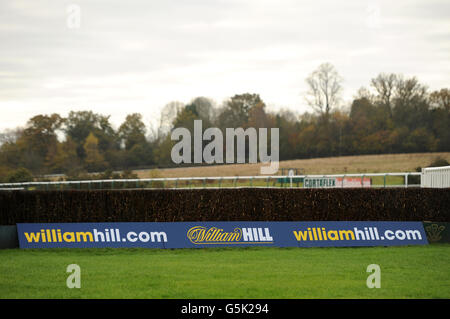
(244, 204)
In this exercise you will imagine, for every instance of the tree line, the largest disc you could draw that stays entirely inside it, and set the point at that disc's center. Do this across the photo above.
(393, 114)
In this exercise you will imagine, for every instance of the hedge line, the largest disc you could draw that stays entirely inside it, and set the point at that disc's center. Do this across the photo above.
(244, 204)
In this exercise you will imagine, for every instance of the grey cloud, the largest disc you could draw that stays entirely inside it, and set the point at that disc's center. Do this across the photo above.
(162, 46)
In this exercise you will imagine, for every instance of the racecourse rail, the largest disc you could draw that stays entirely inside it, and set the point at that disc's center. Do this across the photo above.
(379, 180)
(435, 177)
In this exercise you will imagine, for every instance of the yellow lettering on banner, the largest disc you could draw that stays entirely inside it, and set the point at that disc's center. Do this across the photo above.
(334, 233)
(71, 239)
(32, 237)
(202, 235)
(223, 237)
(324, 233)
(236, 236)
(348, 234)
(300, 235)
(85, 236)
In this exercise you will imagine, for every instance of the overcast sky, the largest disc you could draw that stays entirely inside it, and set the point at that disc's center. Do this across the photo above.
(136, 56)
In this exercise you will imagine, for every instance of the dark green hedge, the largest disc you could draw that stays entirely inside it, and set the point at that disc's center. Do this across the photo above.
(252, 204)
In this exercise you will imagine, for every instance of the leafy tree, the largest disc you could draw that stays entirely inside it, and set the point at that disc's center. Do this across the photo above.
(287, 122)
(395, 115)
(19, 175)
(132, 131)
(420, 140)
(65, 157)
(11, 154)
(36, 141)
(257, 116)
(138, 155)
(78, 126)
(163, 148)
(411, 106)
(94, 161)
(440, 118)
(236, 110)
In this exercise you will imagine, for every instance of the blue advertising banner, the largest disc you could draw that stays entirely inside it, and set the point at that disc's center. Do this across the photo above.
(220, 234)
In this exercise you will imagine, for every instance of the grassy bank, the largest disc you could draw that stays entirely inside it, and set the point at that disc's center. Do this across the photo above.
(406, 272)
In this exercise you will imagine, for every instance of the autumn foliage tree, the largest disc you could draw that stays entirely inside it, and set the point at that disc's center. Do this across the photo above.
(395, 114)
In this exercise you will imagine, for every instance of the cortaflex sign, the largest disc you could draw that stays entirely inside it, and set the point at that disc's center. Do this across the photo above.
(220, 234)
(319, 182)
(326, 182)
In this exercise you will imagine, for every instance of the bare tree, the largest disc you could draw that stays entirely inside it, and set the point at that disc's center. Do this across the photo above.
(441, 99)
(204, 107)
(364, 93)
(385, 85)
(324, 89)
(168, 115)
(408, 90)
(10, 136)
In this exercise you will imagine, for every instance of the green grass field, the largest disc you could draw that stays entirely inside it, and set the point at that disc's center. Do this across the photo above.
(406, 272)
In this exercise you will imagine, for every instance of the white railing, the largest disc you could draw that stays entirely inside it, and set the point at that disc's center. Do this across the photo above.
(223, 182)
(438, 177)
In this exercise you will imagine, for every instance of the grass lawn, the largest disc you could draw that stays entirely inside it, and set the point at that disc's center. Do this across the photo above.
(406, 272)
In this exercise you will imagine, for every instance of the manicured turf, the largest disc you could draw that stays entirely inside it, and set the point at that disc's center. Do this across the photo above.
(406, 272)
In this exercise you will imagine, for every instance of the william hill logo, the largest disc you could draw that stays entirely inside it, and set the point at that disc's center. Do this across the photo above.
(213, 235)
